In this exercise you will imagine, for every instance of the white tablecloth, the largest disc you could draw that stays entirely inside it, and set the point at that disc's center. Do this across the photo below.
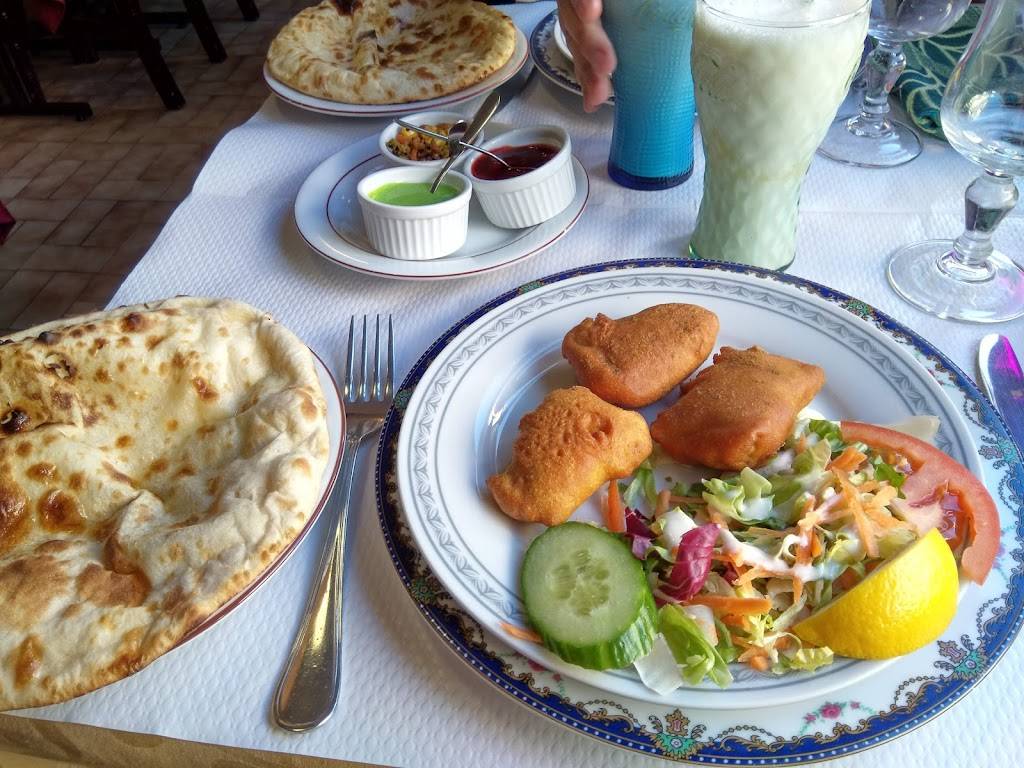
(406, 699)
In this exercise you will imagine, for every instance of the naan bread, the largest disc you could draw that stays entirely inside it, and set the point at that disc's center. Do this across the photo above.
(153, 461)
(390, 51)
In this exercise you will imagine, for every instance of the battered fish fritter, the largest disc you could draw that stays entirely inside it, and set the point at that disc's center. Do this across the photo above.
(638, 359)
(739, 411)
(565, 450)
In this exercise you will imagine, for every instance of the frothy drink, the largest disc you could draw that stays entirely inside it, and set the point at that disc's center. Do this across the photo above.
(769, 77)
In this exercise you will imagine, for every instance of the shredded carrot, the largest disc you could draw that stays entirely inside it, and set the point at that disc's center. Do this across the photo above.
(798, 588)
(732, 620)
(783, 642)
(869, 486)
(801, 444)
(750, 575)
(760, 663)
(615, 516)
(883, 520)
(883, 496)
(520, 632)
(856, 509)
(848, 460)
(664, 497)
(685, 499)
(816, 546)
(741, 606)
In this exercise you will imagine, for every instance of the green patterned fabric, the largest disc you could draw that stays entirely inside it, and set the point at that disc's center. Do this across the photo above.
(930, 62)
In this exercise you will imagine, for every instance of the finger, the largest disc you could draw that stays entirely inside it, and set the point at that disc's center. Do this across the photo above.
(587, 10)
(596, 48)
(596, 88)
(568, 18)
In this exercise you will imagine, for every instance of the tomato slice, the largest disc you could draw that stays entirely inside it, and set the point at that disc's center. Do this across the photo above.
(933, 468)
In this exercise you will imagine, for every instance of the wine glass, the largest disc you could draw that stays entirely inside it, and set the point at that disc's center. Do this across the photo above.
(983, 118)
(871, 139)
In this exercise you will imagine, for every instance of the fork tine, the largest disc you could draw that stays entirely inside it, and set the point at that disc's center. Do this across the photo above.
(350, 368)
(364, 389)
(376, 393)
(389, 385)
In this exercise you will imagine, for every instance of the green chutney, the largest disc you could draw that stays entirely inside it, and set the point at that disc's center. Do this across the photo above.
(412, 193)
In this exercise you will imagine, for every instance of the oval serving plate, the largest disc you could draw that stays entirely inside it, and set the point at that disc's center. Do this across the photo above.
(336, 438)
(878, 371)
(329, 219)
(322, 106)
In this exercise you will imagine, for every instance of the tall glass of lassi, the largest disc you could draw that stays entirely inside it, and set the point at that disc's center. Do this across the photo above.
(769, 77)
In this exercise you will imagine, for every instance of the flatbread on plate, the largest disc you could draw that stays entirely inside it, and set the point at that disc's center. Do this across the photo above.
(154, 460)
(390, 51)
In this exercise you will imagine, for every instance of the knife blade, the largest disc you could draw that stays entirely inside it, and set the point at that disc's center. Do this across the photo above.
(1003, 380)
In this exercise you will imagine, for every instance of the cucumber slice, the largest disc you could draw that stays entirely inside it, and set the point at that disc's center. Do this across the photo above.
(587, 597)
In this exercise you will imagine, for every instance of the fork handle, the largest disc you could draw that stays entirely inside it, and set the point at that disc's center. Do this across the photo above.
(308, 690)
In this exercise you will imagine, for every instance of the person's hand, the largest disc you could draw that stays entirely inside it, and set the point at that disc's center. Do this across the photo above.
(593, 56)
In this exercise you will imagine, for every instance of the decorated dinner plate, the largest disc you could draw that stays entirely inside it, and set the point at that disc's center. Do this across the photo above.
(336, 438)
(458, 556)
(329, 218)
(327, 107)
(551, 54)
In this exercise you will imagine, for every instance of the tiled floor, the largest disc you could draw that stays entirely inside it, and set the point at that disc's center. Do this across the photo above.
(91, 197)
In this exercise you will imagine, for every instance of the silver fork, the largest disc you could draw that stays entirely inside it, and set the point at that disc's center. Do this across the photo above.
(308, 690)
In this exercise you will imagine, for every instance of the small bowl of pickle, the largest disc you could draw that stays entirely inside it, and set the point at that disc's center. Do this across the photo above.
(408, 147)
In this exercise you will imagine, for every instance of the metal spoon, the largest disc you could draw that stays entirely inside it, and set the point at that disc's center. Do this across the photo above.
(486, 111)
(442, 137)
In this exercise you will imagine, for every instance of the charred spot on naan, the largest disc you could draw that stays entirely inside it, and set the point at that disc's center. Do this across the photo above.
(14, 520)
(97, 585)
(60, 511)
(28, 586)
(27, 660)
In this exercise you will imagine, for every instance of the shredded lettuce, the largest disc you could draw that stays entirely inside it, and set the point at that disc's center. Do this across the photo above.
(806, 659)
(745, 498)
(696, 657)
(887, 472)
(827, 431)
(658, 669)
(642, 488)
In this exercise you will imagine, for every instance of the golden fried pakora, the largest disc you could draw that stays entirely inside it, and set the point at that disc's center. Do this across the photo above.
(565, 450)
(739, 411)
(636, 360)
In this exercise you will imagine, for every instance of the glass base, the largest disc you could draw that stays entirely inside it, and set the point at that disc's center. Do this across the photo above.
(646, 183)
(897, 145)
(923, 274)
(691, 253)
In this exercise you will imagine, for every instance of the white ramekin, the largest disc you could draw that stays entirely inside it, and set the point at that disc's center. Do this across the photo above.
(422, 118)
(415, 232)
(523, 201)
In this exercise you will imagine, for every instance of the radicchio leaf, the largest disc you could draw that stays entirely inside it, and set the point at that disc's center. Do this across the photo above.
(639, 534)
(693, 562)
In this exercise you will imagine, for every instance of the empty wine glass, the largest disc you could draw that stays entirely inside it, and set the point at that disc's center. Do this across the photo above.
(983, 118)
(871, 139)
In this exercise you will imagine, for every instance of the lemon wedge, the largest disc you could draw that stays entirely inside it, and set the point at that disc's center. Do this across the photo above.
(901, 606)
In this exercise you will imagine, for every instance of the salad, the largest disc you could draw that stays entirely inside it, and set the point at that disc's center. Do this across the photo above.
(684, 579)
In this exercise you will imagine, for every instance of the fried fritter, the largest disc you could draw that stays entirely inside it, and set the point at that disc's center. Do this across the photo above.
(739, 411)
(638, 359)
(565, 450)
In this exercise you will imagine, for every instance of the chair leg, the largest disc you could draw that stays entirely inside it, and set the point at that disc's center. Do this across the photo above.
(249, 10)
(18, 73)
(149, 52)
(205, 29)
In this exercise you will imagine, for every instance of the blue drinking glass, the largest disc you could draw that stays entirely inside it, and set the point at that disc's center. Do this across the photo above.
(652, 141)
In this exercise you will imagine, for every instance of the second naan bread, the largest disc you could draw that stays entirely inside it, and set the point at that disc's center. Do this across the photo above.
(390, 51)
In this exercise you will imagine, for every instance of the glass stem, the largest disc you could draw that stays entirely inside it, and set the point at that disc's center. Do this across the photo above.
(883, 68)
(989, 198)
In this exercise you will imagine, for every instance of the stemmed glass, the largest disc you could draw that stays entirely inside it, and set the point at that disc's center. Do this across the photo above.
(983, 118)
(871, 139)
